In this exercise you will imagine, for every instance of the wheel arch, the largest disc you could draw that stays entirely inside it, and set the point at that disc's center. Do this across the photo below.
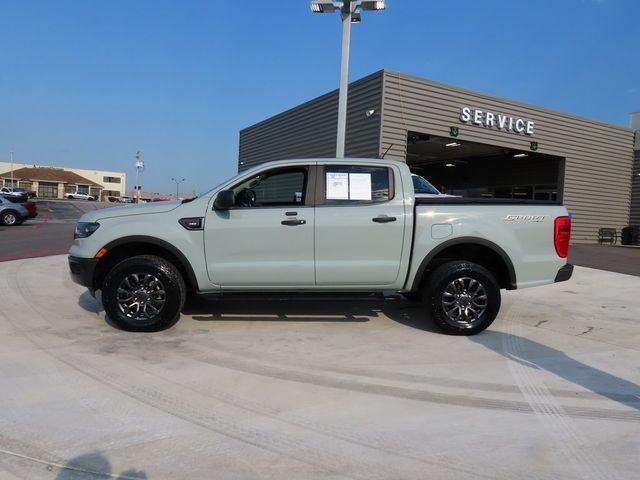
(131, 246)
(473, 249)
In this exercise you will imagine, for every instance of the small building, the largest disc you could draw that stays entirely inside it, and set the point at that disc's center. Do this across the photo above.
(54, 182)
(50, 183)
(468, 143)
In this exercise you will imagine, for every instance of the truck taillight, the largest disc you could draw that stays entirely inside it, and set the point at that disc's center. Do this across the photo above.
(561, 235)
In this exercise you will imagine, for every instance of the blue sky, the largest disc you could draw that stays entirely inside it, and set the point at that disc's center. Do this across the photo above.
(87, 83)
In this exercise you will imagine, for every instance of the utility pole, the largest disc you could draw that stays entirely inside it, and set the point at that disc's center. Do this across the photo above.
(11, 155)
(178, 182)
(139, 168)
(349, 13)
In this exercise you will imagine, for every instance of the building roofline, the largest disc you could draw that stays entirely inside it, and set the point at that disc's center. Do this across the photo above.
(378, 73)
(519, 103)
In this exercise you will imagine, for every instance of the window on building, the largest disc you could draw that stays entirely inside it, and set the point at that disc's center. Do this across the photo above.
(111, 179)
(48, 190)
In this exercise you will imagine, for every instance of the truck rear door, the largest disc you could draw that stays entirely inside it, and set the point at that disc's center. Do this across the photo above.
(360, 225)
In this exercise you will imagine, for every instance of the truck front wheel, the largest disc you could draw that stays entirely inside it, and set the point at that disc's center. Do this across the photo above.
(463, 298)
(144, 293)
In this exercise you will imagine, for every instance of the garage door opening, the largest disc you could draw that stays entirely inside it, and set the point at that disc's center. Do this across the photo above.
(469, 169)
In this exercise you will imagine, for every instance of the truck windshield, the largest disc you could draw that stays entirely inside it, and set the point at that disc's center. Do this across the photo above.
(420, 185)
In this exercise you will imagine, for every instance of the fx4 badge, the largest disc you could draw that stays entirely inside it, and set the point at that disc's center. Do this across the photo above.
(525, 218)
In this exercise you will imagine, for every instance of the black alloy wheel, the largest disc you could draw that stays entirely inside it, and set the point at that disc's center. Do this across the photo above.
(144, 293)
(463, 298)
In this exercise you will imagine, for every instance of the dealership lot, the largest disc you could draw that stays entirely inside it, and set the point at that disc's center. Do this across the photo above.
(352, 388)
(50, 233)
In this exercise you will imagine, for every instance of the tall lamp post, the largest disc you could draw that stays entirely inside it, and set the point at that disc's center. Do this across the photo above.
(139, 169)
(178, 182)
(349, 12)
(12, 185)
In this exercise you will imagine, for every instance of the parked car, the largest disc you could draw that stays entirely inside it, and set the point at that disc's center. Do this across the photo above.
(79, 196)
(357, 227)
(124, 199)
(16, 192)
(31, 207)
(12, 213)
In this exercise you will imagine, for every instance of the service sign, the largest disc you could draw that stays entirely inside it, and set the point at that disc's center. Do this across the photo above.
(500, 121)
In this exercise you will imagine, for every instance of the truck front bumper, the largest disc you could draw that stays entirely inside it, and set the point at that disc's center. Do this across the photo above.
(82, 270)
(564, 273)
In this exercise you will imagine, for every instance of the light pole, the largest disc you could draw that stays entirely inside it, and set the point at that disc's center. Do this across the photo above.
(349, 12)
(178, 182)
(11, 154)
(139, 168)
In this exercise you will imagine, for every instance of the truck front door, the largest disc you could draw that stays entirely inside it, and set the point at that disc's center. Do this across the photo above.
(266, 239)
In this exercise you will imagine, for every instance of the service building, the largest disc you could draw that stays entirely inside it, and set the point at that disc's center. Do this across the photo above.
(469, 143)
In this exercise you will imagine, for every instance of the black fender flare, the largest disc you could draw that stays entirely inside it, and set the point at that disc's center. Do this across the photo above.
(512, 283)
(162, 244)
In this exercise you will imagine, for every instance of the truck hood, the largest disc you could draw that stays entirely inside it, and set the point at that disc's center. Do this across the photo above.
(131, 209)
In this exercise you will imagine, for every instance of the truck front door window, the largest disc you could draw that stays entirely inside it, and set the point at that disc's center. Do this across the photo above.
(278, 188)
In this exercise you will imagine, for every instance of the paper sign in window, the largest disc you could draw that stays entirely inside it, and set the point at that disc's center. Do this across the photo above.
(337, 186)
(359, 186)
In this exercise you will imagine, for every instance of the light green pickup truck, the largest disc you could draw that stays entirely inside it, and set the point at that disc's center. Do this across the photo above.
(320, 225)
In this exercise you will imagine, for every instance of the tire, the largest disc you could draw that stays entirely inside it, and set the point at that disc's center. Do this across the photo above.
(148, 281)
(462, 298)
(10, 218)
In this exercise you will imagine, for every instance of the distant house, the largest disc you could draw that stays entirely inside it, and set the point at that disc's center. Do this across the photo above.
(50, 182)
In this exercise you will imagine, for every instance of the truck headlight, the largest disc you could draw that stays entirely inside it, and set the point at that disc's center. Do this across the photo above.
(85, 229)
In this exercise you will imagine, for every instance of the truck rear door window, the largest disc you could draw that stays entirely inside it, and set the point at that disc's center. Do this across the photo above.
(348, 185)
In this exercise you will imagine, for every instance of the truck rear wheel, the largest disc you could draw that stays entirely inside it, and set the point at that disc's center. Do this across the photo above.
(463, 298)
(144, 293)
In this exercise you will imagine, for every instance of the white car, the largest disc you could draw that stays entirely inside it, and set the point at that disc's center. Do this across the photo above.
(79, 196)
(124, 199)
(14, 192)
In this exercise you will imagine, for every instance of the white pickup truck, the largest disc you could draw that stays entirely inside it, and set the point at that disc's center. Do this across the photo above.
(320, 225)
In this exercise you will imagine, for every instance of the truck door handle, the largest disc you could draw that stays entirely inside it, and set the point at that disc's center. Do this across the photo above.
(384, 219)
(293, 222)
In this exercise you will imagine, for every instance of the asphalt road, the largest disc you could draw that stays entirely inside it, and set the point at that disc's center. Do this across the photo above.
(50, 233)
(620, 259)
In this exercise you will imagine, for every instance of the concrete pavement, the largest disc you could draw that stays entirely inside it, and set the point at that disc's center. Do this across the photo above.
(319, 389)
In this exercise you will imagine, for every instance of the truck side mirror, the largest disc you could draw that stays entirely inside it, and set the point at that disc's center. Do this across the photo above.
(225, 200)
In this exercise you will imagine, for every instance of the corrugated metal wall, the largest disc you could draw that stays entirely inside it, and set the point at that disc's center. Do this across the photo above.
(598, 156)
(309, 130)
(634, 217)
